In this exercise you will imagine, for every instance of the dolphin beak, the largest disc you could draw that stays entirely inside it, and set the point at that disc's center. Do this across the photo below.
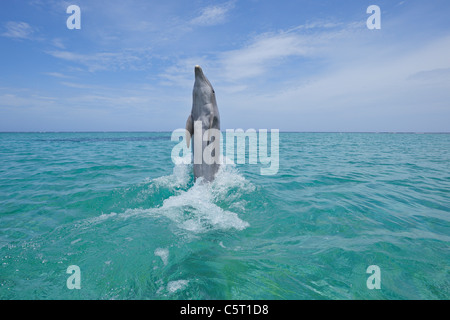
(198, 71)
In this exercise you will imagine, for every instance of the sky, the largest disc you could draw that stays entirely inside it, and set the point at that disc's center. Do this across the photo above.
(301, 65)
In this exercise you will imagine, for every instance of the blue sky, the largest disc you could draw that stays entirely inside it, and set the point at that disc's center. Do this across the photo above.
(289, 65)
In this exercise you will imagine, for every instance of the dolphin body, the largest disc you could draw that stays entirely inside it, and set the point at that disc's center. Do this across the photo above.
(204, 110)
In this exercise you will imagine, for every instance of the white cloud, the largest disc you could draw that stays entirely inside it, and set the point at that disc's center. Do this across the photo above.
(24, 98)
(76, 85)
(441, 75)
(213, 15)
(110, 61)
(363, 81)
(395, 90)
(264, 53)
(181, 72)
(267, 51)
(57, 42)
(18, 30)
(57, 75)
(252, 60)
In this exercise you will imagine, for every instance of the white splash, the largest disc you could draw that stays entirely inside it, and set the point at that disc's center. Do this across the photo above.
(195, 209)
(174, 286)
(163, 254)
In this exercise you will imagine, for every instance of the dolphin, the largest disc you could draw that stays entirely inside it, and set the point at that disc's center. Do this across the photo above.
(204, 117)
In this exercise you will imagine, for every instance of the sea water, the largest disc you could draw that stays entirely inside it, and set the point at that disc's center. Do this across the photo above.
(138, 227)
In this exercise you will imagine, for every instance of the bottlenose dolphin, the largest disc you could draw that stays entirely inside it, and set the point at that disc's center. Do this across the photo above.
(204, 118)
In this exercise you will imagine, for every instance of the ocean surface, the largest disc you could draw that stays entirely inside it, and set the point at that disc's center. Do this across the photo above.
(139, 227)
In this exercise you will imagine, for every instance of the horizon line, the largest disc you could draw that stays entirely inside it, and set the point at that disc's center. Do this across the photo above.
(284, 131)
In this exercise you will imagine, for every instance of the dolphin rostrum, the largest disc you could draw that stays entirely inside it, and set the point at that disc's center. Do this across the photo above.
(203, 125)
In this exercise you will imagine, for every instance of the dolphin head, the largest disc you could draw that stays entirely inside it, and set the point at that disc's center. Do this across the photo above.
(200, 76)
(203, 90)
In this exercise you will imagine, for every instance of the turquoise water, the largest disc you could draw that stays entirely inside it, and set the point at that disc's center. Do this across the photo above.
(138, 226)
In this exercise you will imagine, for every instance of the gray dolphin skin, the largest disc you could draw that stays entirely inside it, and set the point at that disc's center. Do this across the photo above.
(204, 110)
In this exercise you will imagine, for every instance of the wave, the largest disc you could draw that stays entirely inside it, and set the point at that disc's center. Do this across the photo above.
(195, 207)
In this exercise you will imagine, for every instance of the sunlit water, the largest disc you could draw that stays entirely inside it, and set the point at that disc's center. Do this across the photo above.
(138, 226)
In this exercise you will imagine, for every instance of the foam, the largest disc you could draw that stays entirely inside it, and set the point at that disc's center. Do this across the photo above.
(163, 254)
(180, 176)
(174, 286)
(228, 178)
(194, 209)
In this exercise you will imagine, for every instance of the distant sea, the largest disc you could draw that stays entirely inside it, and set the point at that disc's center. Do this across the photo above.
(139, 227)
